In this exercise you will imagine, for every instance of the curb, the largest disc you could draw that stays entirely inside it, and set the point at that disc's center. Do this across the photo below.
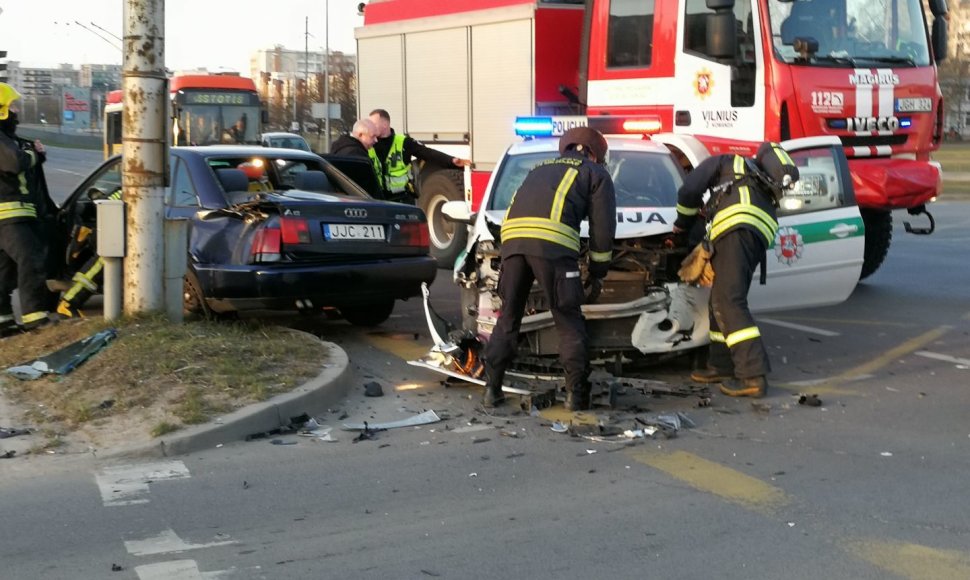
(327, 388)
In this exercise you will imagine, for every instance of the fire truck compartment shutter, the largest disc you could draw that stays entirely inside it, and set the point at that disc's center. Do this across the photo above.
(437, 81)
(383, 86)
(501, 85)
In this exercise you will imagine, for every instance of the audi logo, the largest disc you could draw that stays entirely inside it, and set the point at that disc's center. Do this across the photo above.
(355, 212)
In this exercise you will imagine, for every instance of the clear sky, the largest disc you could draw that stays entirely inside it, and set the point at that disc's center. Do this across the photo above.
(198, 33)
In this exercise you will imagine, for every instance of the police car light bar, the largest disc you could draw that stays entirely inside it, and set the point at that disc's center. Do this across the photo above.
(547, 126)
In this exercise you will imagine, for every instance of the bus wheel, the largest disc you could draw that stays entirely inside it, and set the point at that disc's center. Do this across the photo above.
(447, 238)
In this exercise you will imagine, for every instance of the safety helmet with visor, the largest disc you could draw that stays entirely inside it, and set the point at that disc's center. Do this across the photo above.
(777, 165)
(8, 95)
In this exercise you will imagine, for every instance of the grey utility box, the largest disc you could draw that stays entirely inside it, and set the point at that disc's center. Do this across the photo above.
(111, 228)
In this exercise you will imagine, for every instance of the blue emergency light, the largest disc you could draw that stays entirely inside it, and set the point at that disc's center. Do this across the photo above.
(534, 126)
(905, 122)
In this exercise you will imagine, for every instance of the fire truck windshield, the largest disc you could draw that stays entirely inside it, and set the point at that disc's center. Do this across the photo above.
(851, 33)
(211, 117)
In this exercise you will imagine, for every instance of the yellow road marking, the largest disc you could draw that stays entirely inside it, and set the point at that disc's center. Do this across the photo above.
(913, 560)
(908, 347)
(406, 349)
(716, 479)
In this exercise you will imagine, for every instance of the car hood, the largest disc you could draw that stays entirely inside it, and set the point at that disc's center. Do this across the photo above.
(631, 222)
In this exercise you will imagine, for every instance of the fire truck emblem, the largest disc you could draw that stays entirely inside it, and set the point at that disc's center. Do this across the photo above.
(788, 245)
(703, 83)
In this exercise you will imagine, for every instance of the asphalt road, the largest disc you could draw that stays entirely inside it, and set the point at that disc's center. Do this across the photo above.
(872, 484)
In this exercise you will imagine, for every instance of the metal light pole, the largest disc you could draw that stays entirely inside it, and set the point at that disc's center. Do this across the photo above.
(144, 153)
(326, 73)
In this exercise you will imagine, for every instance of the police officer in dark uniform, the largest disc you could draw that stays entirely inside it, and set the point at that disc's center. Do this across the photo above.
(741, 225)
(22, 266)
(540, 241)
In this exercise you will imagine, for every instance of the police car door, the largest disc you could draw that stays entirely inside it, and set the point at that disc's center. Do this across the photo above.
(817, 254)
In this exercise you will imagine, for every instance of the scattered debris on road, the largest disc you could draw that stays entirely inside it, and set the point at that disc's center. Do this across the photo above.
(373, 389)
(809, 400)
(7, 432)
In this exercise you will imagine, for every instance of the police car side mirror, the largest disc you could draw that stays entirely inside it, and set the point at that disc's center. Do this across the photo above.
(457, 211)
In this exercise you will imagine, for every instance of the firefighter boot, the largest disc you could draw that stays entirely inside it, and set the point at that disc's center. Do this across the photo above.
(493, 397)
(8, 326)
(67, 310)
(752, 387)
(711, 375)
(579, 399)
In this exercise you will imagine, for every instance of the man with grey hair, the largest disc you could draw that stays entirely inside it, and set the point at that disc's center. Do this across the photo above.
(361, 139)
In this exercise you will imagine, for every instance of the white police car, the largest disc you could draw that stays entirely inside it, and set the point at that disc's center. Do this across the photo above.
(644, 310)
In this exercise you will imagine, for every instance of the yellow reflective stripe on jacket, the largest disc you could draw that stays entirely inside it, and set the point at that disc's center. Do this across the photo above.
(742, 335)
(739, 165)
(716, 336)
(745, 194)
(541, 228)
(17, 209)
(687, 210)
(741, 213)
(601, 256)
(560, 199)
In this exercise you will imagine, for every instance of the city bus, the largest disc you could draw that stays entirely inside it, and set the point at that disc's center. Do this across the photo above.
(206, 110)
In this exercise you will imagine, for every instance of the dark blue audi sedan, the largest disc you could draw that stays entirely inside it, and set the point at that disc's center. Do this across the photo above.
(276, 229)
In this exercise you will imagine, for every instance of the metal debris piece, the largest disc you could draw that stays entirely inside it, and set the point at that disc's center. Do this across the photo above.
(7, 432)
(65, 360)
(413, 421)
(559, 427)
(809, 400)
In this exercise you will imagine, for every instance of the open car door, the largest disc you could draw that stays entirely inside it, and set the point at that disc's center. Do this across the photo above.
(817, 254)
(360, 170)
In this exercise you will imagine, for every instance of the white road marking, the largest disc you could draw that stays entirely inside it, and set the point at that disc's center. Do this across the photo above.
(68, 171)
(128, 484)
(943, 357)
(165, 543)
(176, 570)
(801, 327)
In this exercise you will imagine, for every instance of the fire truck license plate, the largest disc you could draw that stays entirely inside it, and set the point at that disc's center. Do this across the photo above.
(914, 105)
(562, 124)
(360, 232)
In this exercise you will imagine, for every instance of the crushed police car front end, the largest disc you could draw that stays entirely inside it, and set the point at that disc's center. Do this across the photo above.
(643, 308)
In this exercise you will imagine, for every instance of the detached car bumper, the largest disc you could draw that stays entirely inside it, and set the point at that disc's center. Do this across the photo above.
(279, 286)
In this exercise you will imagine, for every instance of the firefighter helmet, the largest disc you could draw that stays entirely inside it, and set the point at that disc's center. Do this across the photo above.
(8, 95)
(584, 139)
(777, 165)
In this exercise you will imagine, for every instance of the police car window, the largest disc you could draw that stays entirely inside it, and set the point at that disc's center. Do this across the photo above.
(820, 185)
(511, 176)
(643, 179)
(182, 193)
(630, 34)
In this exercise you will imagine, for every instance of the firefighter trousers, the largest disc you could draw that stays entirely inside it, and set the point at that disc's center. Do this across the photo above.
(87, 281)
(22, 267)
(563, 288)
(735, 338)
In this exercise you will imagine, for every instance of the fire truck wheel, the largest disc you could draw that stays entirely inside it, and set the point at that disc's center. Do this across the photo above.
(447, 238)
(879, 235)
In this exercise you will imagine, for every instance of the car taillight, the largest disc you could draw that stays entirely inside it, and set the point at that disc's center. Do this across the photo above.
(266, 245)
(415, 234)
(294, 230)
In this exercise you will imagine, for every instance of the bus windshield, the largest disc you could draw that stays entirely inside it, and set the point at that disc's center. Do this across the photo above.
(211, 117)
(851, 33)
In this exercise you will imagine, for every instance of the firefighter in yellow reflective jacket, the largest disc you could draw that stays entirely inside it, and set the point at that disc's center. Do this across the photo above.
(741, 225)
(540, 241)
(22, 266)
(89, 278)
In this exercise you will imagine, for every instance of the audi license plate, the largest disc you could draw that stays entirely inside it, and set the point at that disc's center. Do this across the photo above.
(360, 232)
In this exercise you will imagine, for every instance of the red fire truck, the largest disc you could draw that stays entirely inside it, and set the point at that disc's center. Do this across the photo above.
(701, 76)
